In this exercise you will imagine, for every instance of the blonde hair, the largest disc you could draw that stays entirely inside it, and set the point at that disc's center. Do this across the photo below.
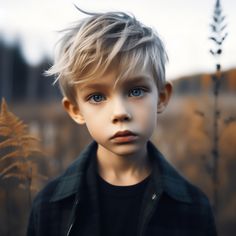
(90, 48)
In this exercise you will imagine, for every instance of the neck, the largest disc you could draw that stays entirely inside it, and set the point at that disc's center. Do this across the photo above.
(123, 169)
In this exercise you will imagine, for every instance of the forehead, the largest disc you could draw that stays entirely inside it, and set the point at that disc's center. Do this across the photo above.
(116, 78)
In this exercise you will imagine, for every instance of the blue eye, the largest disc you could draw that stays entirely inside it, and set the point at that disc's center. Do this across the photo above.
(96, 98)
(137, 92)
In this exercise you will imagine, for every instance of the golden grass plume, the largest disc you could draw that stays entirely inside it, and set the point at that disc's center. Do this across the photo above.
(19, 149)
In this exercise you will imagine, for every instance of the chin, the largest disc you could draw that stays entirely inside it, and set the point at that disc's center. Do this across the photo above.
(126, 149)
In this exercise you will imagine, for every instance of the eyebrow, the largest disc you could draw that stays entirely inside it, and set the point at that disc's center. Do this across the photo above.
(136, 79)
(94, 86)
(126, 82)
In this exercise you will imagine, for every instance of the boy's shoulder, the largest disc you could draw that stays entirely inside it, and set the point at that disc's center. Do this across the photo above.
(69, 182)
(173, 182)
(182, 204)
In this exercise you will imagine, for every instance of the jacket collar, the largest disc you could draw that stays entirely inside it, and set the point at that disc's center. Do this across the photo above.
(164, 176)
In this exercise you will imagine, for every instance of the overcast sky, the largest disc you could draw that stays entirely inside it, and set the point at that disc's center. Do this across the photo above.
(182, 24)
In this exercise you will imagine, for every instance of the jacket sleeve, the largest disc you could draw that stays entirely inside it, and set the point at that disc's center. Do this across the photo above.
(211, 226)
(31, 228)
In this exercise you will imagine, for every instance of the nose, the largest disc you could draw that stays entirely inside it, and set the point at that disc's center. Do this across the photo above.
(120, 111)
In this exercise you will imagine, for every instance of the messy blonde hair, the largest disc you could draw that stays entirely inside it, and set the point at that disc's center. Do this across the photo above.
(94, 44)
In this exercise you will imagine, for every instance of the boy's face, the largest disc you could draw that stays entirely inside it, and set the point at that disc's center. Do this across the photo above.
(121, 118)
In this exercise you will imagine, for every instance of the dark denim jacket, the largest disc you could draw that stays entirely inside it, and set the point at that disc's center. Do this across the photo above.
(171, 206)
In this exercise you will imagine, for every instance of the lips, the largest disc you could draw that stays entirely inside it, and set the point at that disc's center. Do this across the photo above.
(124, 136)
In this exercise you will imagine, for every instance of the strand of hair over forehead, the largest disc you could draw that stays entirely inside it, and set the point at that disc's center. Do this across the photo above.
(84, 31)
(67, 63)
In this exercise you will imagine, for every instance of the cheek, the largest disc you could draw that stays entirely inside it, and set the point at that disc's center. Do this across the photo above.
(148, 108)
(94, 129)
(95, 122)
(147, 113)
(92, 115)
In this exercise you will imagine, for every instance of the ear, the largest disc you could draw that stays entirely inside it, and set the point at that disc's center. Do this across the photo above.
(73, 111)
(164, 97)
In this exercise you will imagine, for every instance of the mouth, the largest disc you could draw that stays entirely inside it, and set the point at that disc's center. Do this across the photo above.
(124, 136)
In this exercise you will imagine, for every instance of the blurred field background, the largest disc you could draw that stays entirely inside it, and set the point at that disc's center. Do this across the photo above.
(184, 135)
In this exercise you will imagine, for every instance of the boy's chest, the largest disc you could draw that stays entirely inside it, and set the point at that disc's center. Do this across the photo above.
(167, 219)
(171, 218)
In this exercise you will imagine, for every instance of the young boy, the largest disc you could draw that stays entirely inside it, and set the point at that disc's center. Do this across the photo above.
(111, 71)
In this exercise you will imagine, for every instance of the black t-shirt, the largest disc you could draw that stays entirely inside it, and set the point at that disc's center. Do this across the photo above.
(120, 207)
